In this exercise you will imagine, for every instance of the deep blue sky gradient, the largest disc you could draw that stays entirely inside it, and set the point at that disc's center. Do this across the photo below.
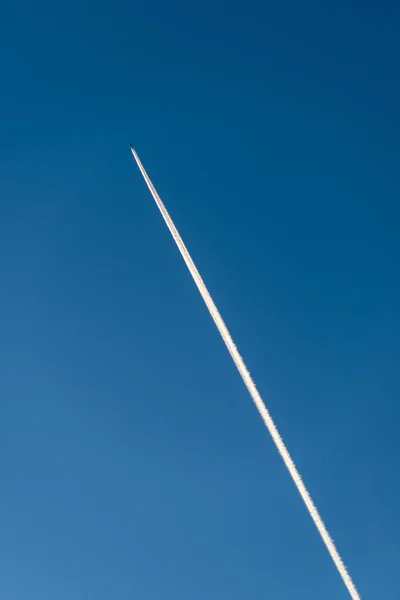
(132, 462)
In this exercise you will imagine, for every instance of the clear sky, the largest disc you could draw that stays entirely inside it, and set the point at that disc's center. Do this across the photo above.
(133, 464)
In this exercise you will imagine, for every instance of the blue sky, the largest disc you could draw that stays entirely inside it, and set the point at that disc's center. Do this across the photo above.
(133, 464)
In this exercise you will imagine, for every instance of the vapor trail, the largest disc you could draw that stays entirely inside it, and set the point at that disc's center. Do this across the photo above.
(262, 409)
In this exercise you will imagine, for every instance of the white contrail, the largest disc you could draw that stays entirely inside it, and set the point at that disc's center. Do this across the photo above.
(262, 409)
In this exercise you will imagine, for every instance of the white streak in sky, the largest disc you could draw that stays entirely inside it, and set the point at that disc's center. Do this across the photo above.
(262, 409)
